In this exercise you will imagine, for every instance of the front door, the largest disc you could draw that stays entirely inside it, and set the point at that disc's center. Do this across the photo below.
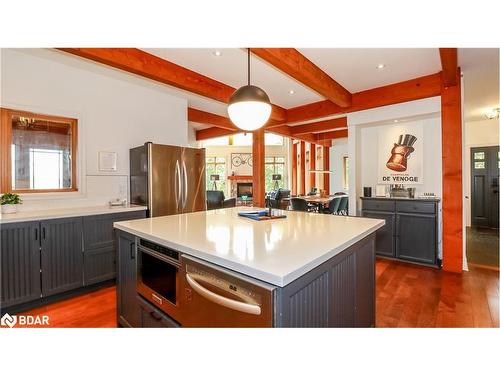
(485, 163)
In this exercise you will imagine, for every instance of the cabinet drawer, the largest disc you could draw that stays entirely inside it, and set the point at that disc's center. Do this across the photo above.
(151, 317)
(416, 207)
(378, 205)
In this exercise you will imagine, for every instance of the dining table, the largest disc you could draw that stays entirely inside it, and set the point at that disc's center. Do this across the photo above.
(317, 200)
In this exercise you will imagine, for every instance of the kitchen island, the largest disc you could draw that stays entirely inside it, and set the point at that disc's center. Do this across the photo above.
(214, 268)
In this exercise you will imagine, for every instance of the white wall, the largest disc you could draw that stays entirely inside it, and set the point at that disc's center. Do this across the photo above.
(363, 147)
(432, 164)
(115, 111)
(477, 133)
(338, 151)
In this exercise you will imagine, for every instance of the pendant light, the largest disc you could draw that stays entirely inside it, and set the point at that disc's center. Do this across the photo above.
(249, 107)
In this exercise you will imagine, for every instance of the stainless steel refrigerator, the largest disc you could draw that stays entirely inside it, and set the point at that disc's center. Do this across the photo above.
(168, 179)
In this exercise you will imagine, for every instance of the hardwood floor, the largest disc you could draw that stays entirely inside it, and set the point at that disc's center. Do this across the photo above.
(407, 296)
(417, 296)
(93, 310)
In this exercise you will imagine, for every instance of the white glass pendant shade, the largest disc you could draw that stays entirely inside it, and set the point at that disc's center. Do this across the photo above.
(249, 108)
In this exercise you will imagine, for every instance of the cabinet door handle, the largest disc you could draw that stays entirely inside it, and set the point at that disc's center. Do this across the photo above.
(36, 234)
(155, 315)
(132, 250)
(43, 233)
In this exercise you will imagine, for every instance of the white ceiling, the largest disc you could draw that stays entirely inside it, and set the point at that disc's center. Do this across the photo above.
(480, 67)
(231, 68)
(354, 68)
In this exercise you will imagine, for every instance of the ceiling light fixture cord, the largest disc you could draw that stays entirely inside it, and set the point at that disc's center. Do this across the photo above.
(248, 55)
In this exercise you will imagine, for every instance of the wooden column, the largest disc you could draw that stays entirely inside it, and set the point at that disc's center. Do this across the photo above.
(312, 164)
(294, 168)
(302, 185)
(258, 156)
(451, 132)
(326, 167)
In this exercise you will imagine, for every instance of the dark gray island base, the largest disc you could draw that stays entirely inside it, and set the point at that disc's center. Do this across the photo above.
(340, 292)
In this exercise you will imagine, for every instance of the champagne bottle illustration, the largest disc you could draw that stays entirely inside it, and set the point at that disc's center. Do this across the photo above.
(401, 152)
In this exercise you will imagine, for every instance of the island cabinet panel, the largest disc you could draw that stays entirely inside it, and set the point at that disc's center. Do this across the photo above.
(99, 240)
(128, 307)
(338, 293)
(416, 240)
(20, 263)
(61, 255)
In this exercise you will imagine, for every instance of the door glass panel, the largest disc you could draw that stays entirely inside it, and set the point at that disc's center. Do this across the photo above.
(479, 155)
(479, 164)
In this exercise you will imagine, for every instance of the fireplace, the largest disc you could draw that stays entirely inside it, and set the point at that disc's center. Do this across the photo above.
(244, 188)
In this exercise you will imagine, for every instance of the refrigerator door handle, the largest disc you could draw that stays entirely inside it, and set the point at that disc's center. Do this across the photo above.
(185, 185)
(177, 184)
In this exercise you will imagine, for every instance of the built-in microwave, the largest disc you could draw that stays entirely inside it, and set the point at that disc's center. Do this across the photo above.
(158, 278)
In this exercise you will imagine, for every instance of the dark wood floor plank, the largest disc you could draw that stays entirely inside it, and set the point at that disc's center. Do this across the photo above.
(407, 295)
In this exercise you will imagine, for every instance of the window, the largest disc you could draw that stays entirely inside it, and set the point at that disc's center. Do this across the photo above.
(38, 152)
(345, 164)
(215, 166)
(271, 139)
(274, 165)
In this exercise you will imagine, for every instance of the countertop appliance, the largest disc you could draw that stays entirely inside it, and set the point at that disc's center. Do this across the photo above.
(168, 179)
(216, 297)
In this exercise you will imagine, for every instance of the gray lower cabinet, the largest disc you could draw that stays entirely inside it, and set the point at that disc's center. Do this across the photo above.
(416, 239)
(19, 263)
(385, 236)
(98, 242)
(46, 258)
(61, 255)
(128, 308)
(410, 232)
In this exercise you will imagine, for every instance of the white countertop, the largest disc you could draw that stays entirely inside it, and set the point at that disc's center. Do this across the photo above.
(275, 251)
(56, 213)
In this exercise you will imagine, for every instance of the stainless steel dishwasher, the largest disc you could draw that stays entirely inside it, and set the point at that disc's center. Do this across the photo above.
(215, 297)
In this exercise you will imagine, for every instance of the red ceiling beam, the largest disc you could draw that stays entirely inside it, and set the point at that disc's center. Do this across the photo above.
(213, 132)
(414, 89)
(144, 64)
(320, 126)
(202, 117)
(335, 134)
(449, 63)
(299, 67)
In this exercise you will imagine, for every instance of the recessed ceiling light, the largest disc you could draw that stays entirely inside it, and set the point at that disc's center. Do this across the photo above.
(396, 120)
(217, 53)
(291, 92)
(380, 66)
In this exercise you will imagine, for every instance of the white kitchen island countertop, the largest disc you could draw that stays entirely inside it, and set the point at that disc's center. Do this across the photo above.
(56, 213)
(275, 251)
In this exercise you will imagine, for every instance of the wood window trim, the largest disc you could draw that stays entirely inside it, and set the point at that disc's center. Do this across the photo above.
(5, 153)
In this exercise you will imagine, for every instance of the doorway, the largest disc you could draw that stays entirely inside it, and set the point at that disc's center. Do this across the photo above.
(482, 236)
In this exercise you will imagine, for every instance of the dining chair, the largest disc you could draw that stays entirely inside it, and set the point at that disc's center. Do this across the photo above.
(343, 205)
(333, 206)
(299, 204)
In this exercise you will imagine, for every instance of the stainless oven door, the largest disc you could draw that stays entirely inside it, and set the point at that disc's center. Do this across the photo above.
(158, 280)
(215, 297)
